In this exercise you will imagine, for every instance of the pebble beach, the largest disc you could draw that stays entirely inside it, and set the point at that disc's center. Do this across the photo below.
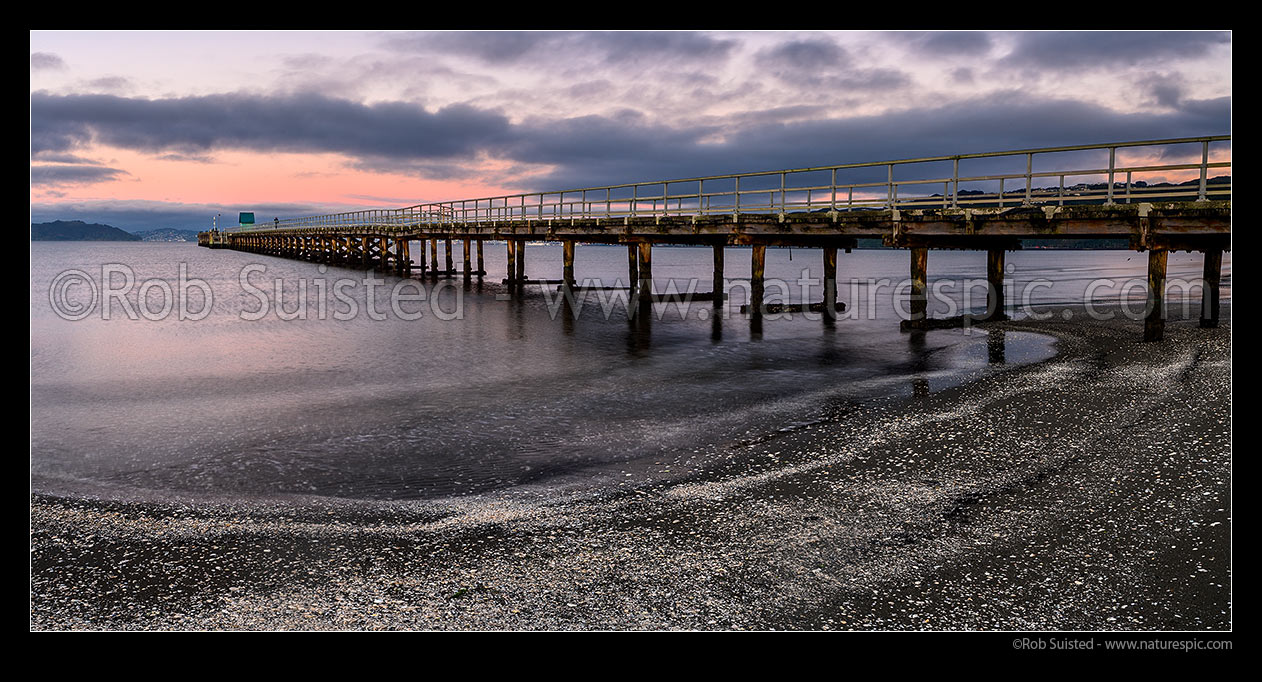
(1090, 491)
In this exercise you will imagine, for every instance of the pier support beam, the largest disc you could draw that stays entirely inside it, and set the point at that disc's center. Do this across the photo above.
(633, 269)
(481, 267)
(567, 268)
(521, 262)
(433, 255)
(644, 268)
(830, 283)
(1155, 323)
(1209, 294)
(467, 274)
(995, 310)
(757, 285)
(512, 261)
(449, 260)
(918, 300)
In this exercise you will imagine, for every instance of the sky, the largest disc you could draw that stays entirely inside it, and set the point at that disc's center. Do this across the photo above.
(165, 129)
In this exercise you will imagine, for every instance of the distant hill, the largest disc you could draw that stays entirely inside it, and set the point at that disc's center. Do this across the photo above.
(78, 231)
(168, 235)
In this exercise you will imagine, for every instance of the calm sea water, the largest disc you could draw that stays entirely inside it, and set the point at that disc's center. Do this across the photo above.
(509, 395)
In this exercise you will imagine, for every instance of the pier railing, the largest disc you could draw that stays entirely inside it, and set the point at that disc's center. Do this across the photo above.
(1099, 174)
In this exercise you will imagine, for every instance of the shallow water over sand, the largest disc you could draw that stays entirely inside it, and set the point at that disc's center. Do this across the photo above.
(513, 393)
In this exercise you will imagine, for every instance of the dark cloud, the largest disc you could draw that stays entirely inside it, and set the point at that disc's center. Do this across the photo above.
(589, 89)
(495, 47)
(1207, 108)
(1170, 90)
(821, 64)
(194, 158)
(949, 43)
(1166, 90)
(576, 49)
(109, 84)
(46, 60)
(58, 175)
(301, 123)
(635, 46)
(592, 153)
(1107, 49)
(872, 80)
(781, 114)
(591, 140)
(805, 56)
(59, 157)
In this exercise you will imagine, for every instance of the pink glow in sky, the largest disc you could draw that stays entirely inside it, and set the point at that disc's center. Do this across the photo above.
(243, 177)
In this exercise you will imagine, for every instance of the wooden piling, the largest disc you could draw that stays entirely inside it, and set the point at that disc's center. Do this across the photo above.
(467, 274)
(757, 285)
(644, 266)
(995, 309)
(633, 270)
(1212, 279)
(433, 255)
(512, 261)
(567, 268)
(521, 262)
(919, 298)
(449, 261)
(481, 267)
(1155, 323)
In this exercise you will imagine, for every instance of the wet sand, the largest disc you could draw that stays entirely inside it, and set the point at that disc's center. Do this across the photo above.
(1087, 492)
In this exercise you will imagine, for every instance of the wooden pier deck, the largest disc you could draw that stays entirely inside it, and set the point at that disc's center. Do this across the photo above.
(1155, 218)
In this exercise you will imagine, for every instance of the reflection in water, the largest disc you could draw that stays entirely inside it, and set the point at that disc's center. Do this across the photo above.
(995, 345)
(916, 341)
(568, 313)
(755, 324)
(640, 331)
(393, 408)
(517, 320)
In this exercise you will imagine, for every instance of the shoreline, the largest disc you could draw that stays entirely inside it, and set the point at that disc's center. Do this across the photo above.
(1088, 491)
